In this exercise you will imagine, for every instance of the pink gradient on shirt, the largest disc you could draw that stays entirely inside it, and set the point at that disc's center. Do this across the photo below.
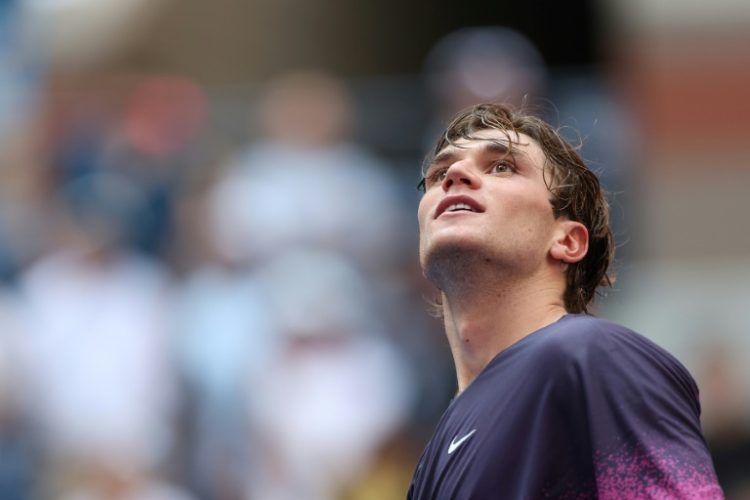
(653, 474)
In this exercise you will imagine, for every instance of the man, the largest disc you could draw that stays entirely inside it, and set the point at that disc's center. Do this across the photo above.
(552, 402)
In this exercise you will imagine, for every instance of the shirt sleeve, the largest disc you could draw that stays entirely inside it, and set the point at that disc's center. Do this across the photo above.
(640, 415)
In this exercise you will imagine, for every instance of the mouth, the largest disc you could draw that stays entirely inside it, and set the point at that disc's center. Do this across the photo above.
(454, 204)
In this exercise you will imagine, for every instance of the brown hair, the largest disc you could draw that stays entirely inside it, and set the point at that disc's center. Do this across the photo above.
(576, 192)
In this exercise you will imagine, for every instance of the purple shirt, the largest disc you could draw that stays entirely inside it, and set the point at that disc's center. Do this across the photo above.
(580, 409)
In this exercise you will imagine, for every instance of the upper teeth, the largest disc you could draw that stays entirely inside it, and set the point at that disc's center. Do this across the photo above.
(458, 206)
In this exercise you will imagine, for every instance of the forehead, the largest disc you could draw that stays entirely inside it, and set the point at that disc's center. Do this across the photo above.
(511, 141)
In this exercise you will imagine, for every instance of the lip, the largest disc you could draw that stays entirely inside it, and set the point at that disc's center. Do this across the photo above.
(451, 200)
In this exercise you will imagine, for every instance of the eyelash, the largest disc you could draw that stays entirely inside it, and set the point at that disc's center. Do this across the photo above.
(435, 176)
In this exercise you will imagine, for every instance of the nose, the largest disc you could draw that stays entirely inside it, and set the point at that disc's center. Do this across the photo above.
(461, 173)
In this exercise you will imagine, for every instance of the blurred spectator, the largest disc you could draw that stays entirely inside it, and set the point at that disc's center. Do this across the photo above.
(273, 305)
(484, 64)
(156, 146)
(225, 341)
(95, 373)
(304, 184)
(338, 390)
(151, 141)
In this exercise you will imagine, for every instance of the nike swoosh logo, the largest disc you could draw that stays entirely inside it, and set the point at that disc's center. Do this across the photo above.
(455, 444)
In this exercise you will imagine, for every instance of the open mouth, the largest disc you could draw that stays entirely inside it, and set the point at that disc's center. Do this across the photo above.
(459, 207)
(455, 204)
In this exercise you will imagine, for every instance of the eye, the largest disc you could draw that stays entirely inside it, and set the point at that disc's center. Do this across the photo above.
(439, 175)
(432, 177)
(501, 167)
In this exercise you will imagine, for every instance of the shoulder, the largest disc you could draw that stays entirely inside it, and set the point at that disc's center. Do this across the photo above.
(577, 338)
(597, 354)
(587, 329)
(594, 348)
(588, 338)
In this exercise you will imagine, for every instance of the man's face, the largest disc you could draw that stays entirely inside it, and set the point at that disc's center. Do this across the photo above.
(488, 198)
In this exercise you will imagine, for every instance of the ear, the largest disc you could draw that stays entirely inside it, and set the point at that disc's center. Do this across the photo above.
(571, 242)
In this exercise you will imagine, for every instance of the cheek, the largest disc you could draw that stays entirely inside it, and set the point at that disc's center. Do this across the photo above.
(422, 211)
(532, 216)
(535, 204)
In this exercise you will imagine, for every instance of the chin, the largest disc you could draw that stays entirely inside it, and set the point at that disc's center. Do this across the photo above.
(449, 256)
(452, 242)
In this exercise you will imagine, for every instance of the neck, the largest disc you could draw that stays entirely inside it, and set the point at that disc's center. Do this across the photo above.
(495, 312)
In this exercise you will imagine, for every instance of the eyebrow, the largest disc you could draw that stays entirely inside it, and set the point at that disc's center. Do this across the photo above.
(450, 153)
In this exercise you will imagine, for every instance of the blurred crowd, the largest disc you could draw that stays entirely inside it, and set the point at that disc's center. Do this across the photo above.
(184, 317)
(176, 325)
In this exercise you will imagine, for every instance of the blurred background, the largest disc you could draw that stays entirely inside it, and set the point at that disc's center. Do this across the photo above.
(208, 277)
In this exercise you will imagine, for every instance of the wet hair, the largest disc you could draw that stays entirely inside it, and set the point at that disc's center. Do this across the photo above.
(575, 189)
